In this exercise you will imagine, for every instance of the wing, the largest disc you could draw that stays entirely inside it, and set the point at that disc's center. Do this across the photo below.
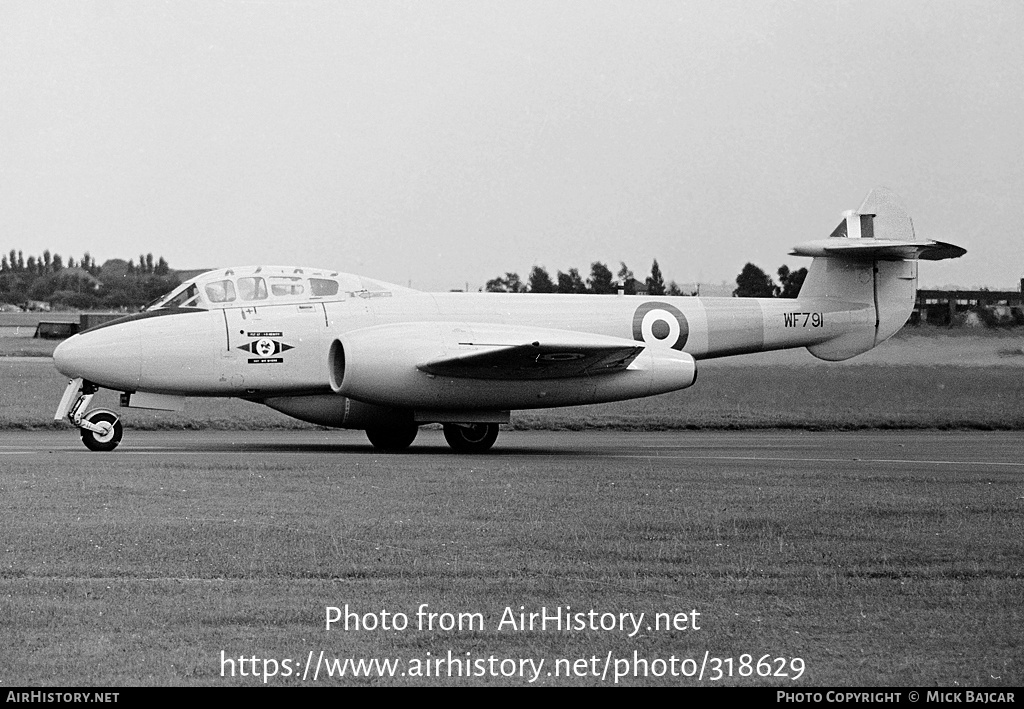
(535, 360)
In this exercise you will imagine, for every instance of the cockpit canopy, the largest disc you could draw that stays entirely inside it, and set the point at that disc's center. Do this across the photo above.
(264, 285)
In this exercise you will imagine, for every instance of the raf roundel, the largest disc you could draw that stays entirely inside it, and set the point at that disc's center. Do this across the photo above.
(660, 323)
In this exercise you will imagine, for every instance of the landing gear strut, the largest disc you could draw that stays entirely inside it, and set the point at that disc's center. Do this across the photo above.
(101, 429)
(471, 437)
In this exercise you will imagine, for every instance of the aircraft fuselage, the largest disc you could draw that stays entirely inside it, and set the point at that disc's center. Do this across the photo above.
(281, 348)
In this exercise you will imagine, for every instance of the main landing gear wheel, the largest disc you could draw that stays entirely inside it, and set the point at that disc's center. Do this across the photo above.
(471, 437)
(111, 436)
(393, 438)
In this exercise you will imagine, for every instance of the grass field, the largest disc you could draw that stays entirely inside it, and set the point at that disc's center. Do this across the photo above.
(26, 347)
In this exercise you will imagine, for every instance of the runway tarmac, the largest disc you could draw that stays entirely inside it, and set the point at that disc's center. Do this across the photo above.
(881, 450)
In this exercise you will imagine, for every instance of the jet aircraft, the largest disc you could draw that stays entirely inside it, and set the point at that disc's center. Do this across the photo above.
(344, 351)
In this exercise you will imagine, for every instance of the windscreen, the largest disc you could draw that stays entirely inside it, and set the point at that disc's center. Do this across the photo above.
(184, 296)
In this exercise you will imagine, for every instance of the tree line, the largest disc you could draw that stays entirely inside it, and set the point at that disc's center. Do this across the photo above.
(752, 282)
(124, 284)
(601, 281)
(83, 284)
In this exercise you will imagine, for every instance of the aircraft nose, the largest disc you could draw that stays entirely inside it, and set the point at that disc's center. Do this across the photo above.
(108, 357)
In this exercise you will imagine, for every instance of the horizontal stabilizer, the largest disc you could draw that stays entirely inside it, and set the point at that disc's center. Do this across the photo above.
(535, 360)
(879, 249)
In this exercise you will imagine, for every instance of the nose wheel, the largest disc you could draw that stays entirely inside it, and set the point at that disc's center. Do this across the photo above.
(105, 431)
(101, 429)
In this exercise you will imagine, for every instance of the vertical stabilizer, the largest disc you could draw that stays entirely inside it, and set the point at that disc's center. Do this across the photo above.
(868, 264)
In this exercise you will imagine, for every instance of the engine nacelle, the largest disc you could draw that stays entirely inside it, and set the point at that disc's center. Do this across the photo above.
(379, 365)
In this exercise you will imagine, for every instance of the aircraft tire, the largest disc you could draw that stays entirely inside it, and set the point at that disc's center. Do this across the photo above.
(102, 442)
(392, 438)
(474, 438)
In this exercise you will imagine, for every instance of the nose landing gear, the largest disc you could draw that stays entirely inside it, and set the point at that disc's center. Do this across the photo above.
(109, 433)
(101, 429)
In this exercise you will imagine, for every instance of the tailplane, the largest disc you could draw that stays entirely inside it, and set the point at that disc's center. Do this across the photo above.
(869, 262)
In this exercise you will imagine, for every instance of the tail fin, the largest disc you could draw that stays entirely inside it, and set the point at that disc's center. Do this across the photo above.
(870, 259)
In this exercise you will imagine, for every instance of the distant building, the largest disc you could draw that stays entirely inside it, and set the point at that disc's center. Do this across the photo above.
(957, 307)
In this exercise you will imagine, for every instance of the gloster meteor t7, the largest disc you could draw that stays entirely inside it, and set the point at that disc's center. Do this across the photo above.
(350, 352)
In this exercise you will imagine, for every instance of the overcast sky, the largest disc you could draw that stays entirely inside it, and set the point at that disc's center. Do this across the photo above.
(444, 143)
